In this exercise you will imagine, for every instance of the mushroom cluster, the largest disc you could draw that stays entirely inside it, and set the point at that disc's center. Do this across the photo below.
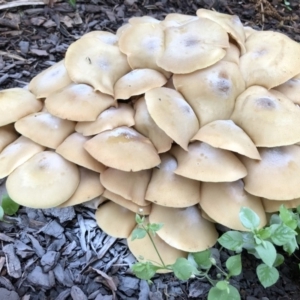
(184, 120)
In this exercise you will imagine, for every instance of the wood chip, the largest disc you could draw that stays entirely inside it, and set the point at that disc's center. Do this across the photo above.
(12, 261)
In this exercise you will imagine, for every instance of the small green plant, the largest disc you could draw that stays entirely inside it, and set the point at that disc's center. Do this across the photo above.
(7, 207)
(260, 241)
(287, 4)
(72, 3)
(197, 265)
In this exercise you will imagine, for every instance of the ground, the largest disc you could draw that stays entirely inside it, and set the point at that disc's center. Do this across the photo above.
(78, 260)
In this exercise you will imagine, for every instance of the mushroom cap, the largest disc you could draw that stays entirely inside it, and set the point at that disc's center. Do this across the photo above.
(104, 36)
(206, 163)
(145, 125)
(192, 234)
(89, 188)
(143, 248)
(168, 189)
(7, 135)
(271, 59)
(16, 103)
(226, 135)
(276, 175)
(268, 117)
(45, 129)
(137, 82)
(111, 118)
(229, 197)
(93, 62)
(78, 102)
(192, 46)
(143, 19)
(45, 180)
(115, 220)
(211, 92)
(274, 205)
(166, 107)
(232, 54)
(129, 185)
(124, 149)
(50, 80)
(16, 153)
(175, 20)
(72, 149)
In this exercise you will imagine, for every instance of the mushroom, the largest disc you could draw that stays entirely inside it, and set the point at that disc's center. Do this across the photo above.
(274, 205)
(104, 36)
(7, 135)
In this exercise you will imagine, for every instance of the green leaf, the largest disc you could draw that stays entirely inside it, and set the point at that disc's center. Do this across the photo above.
(9, 206)
(138, 233)
(222, 285)
(298, 209)
(202, 259)
(282, 234)
(287, 217)
(267, 275)
(183, 269)
(72, 3)
(290, 246)
(231, 294)
(155, 227)
(139, 220)
(264, 233)
(275, 219)
(248, 240)
(234, 265)
(144, 270)
(267, 252)
(232, 240)
(249, 218)
(279, 260)
(1, 213)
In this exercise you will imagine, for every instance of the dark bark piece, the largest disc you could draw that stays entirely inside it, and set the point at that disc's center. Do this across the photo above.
(39, 250)
(57, 244)
(38, 278)
(12, 261)
(8, 295)
(144, 290)
(53, 229)
(64, 295)
(5, 238)
(62, 276)
(4, 282)
(63, 214)
(128, 285)
(77, 293)
(68, 249)
(49, 260)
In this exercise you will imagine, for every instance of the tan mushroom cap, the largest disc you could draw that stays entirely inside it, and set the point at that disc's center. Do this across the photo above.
(50, 80)
(193, 46)
(129, 185)
(115, 220)
(248, 31)
(223, 201)
(211, 92)
(146, 126)
(7, 135)
(104, 36)
(291, 89)
(232, 25)
(143, 44)
(206, 163)
(168, 189)
(111, 118)
(232, 54)
(191, 234)
(172, 114)
(144, 248)
(72, 149)
(137, 209)
(124, 149)
(226, 135)
(137, 82)
(176, 19)
(46, 180)
(16, 103)
(93, 62)
(78, 102)
(17, 153)
(206, 216)
(271, 59)
(276, 175)
(45, 129)
(143, 19)
(274, 205)
(89, 188)
(94, 203)
(268, 117)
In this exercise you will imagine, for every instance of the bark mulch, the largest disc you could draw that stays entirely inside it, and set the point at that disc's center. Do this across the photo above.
(61, 253)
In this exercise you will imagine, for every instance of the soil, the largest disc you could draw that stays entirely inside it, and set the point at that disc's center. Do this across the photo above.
(61, 253)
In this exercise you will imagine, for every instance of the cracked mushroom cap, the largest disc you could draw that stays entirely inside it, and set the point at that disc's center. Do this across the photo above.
(45, 180)
(168, 189)
(72, 149)
(172, 114)
(78, 102)
(271, 59)
(45, 129)
(268, 117)
(95, 63)
(226, 135)
(276, 175)
(111, 118)
(205, 163)
(124, 149)
(229, 197)
(191, 234)
(195, 45)
(274, 205)
(115, 220)
(16, 103)
(7, 135)
(50, 80)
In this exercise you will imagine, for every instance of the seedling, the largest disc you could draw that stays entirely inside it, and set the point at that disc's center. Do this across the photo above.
(8, 207)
